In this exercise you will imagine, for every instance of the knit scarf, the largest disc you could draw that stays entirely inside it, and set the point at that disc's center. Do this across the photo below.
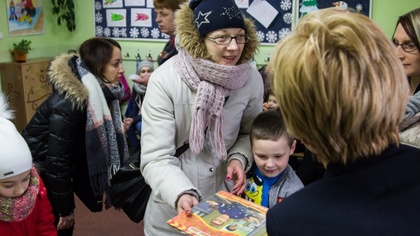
(139, 88)
(18, 208)
(106, 146)
(213, 83)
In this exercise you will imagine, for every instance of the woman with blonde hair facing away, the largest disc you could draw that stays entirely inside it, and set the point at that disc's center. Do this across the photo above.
(207, 96)
(341, 89)
(407, 41)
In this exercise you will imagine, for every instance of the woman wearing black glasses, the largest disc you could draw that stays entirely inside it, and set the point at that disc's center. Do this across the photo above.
(407, 41)
(207, 96)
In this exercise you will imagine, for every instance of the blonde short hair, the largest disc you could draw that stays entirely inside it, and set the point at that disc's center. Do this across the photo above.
(340, 85)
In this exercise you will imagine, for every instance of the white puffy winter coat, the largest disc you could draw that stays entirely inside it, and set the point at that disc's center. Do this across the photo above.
(167, 113)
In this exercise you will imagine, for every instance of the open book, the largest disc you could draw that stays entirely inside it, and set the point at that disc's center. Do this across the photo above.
(223, 214)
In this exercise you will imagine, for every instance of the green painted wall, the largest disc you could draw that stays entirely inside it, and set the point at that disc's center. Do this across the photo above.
(57, 39)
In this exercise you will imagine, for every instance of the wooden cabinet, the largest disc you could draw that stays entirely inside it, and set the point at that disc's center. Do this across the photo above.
(26, 86)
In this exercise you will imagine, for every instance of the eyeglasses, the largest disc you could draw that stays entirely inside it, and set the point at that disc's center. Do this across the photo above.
(406, 47)
(225, 40)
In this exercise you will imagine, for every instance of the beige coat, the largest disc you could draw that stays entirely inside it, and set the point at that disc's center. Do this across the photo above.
(167, 113)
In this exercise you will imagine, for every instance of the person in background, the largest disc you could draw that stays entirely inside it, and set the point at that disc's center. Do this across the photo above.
(266, 82)
(24, 205)
(407, 41)
(271, 179)
(271, 103)
(76, 136)
(342, 71)
(143, 69)
(207, 96)
(165, 18)
(302, 162)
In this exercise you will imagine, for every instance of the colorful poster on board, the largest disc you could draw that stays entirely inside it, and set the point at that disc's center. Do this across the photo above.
(136, 19)
(360, 6)
(25, 17)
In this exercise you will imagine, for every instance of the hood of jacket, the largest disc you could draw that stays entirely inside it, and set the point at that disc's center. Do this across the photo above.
(65, 80)
(190, 40)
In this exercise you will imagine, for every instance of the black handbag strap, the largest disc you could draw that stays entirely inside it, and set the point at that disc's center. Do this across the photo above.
(182, 149)
(134, 160)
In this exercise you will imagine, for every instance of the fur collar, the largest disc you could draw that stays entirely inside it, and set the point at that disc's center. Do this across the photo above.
(65, 81)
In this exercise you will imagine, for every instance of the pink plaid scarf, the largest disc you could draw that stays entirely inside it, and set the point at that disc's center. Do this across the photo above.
(213, 83)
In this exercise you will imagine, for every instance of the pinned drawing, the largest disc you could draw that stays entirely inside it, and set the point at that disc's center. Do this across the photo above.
(360, 6)
(141, 17)
(112, 3)
(25, 17)
(308, 6)
(116, 18)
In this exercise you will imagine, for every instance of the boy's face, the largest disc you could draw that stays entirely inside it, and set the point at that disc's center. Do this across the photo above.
(272, 157)
(15, 186)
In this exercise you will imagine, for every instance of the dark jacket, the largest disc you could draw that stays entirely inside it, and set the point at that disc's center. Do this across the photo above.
(56, 137)
(373, 196)
(168, 51)
(134, 106)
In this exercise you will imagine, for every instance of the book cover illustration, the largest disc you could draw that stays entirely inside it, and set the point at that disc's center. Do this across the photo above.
(223, 214)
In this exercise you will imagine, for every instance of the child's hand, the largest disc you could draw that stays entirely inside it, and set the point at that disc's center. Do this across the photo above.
(185, 203)
(236, 173)
(126, 123)
(65, 222)
(266, 106)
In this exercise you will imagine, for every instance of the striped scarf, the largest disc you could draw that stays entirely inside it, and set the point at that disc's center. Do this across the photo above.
(106, 146)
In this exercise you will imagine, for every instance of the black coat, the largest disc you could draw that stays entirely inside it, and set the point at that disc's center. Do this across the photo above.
(56, 138)
(374, 196)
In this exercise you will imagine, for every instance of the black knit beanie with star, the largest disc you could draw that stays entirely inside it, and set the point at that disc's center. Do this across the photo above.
(211, 15)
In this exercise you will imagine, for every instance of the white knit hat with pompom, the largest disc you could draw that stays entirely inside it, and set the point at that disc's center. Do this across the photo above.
(15, 156)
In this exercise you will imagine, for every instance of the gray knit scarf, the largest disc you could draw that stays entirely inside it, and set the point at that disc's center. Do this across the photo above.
(213, 83)
(106, 146)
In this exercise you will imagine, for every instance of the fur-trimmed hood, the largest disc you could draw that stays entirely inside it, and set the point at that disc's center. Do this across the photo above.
(190, 40)
(65, 81)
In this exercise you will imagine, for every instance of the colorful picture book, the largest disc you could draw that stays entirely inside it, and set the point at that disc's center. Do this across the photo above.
(223, 214)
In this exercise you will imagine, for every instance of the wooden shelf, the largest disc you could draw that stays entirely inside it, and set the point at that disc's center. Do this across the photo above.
(26, 85)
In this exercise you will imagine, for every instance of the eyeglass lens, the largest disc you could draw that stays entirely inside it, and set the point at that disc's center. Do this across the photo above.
(406, 47)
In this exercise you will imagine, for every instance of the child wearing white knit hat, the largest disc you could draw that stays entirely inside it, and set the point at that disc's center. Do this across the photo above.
(24, 205)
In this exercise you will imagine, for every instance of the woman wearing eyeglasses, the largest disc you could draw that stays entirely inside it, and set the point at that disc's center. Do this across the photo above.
(207, 96)
(407, 41)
